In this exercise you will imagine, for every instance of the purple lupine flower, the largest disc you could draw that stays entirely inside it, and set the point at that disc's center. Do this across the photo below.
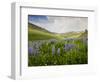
(71, 46)
(53, 50)
(58, 51)
(68, 46)
(30, 50)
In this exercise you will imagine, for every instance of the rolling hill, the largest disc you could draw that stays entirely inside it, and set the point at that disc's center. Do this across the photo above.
(37, 33)
(72, 34)
(33, 26)
(84, 34)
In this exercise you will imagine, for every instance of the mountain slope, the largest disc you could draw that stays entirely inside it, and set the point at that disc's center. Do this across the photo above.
(38, 33)
(72, 34)
(84, 34)
(33, 26)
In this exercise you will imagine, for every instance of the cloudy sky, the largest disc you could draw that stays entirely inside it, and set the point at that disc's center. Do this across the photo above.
(59, 24)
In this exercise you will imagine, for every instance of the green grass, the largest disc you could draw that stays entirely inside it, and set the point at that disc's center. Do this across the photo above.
(72, 34)
(34, 34)
(77, 55)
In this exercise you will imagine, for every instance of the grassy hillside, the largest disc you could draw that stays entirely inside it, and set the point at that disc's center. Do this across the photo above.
(38, 33)
(32, 26)
(72, 34)
(84, 34)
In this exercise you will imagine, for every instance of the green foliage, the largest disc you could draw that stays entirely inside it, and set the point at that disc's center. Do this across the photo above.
(41, 35)
(77, 55)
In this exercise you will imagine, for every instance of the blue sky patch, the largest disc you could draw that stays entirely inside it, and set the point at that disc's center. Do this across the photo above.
(37, 18)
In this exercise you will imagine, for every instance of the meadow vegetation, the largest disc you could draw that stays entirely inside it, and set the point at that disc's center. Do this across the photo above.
(47, 48)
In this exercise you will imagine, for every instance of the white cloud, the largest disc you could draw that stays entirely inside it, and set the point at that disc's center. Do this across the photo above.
(63, 24)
